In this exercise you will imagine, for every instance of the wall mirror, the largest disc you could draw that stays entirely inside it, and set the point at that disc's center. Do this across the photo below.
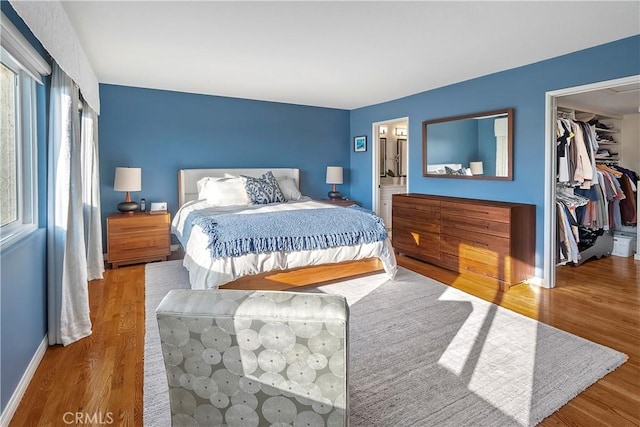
(383, 157)
(401, 149)
(472, 146)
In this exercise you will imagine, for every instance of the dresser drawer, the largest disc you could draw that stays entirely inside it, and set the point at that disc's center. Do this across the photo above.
(413, 223)
(486, 266)
(468, 210)
(410, 206)
(452, 223)
(418, 244)
(451, 243)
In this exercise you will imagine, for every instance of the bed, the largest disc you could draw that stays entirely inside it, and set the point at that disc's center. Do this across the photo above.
(211, 267)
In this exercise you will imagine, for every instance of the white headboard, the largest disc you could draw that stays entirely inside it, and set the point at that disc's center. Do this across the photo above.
(188, 178)
(439, 169)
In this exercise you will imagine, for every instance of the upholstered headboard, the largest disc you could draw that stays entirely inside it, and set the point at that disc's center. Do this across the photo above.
(188, 178)
(440, 168)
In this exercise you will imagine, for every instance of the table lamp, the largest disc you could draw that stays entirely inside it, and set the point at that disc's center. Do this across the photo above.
(334, 176)
(476, 168)
(128, 179)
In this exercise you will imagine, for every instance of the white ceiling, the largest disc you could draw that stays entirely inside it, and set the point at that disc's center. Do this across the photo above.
(331, 53)
(620, 100)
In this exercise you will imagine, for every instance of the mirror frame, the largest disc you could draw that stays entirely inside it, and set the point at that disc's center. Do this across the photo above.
(507, 111)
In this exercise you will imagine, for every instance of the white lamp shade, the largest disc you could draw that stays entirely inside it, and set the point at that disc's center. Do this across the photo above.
(334, 174)
(128, 179)
(476, 168)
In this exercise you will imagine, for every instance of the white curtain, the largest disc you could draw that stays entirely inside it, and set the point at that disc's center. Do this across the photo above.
(501, 130)
(68, 295)
(91, 193)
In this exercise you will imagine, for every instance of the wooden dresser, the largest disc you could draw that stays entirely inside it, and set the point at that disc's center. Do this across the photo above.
(494, 239)
(138, 237)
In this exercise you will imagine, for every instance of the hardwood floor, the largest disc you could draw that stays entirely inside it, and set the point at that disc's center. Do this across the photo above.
(99, 379)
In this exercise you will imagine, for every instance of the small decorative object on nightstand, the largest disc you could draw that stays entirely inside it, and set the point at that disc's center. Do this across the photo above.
(127, 179)
(139, 237)
(334, 176)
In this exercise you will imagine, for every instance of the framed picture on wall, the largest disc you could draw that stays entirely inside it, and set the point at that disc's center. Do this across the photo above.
(360, 143)
(383, 156)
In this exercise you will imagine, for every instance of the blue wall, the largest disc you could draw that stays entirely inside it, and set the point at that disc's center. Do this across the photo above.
(453, 142)
(24, 308)
(162, 132)
(523, 89)
(23, 266)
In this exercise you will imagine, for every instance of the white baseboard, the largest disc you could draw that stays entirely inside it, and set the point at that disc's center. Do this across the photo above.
(16, 397)
(536, 281)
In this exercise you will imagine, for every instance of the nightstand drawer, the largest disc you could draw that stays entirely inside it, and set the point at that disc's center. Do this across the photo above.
(138, 223)
(156, 248)
(140, 241)
(135, 234)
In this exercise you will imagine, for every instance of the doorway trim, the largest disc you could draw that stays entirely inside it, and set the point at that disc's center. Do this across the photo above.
(375, 160)
(550, 149)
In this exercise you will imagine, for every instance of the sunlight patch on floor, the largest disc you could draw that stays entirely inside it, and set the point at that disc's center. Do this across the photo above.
(361, 287)
(480, 351)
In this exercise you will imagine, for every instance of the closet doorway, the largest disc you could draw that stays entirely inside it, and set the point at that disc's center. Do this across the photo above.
(390, 164)
(617, 100)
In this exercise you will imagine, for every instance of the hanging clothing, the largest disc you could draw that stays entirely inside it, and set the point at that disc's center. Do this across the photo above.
(628, 207)
(609, 192)
(567, 230)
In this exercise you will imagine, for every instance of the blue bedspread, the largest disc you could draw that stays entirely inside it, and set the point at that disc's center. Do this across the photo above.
(291, 230)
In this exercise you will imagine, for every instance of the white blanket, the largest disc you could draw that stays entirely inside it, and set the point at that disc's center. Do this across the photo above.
(206, 272)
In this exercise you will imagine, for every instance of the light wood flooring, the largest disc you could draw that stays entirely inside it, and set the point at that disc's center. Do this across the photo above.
(102, 375)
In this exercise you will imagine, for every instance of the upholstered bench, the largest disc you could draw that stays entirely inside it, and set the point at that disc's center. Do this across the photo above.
(249, 358)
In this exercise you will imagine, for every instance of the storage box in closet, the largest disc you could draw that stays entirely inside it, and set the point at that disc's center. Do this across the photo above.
(624, 245)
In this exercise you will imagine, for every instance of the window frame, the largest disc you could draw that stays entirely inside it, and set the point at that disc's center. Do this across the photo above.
(26, 155)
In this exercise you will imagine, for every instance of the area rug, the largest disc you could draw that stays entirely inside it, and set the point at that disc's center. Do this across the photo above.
(422, 353)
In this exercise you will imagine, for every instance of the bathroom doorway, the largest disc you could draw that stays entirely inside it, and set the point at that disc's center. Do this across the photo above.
(390, 156)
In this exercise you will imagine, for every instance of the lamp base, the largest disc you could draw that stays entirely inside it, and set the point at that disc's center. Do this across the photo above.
(335, 195)
(128, 207)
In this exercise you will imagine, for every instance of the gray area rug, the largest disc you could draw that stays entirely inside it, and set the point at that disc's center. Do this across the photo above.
(422, 353)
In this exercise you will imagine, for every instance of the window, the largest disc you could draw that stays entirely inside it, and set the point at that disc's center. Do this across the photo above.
(18, 167)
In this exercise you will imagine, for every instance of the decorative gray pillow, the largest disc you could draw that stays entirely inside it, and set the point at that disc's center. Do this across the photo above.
(263, 190)
(450, 171)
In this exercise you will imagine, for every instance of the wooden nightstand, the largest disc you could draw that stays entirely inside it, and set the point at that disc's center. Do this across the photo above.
(339, 202)
(138, 237)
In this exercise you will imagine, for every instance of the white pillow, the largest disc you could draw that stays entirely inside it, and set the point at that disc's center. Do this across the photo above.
(202, 181)
(289, 188)
(223, 191)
